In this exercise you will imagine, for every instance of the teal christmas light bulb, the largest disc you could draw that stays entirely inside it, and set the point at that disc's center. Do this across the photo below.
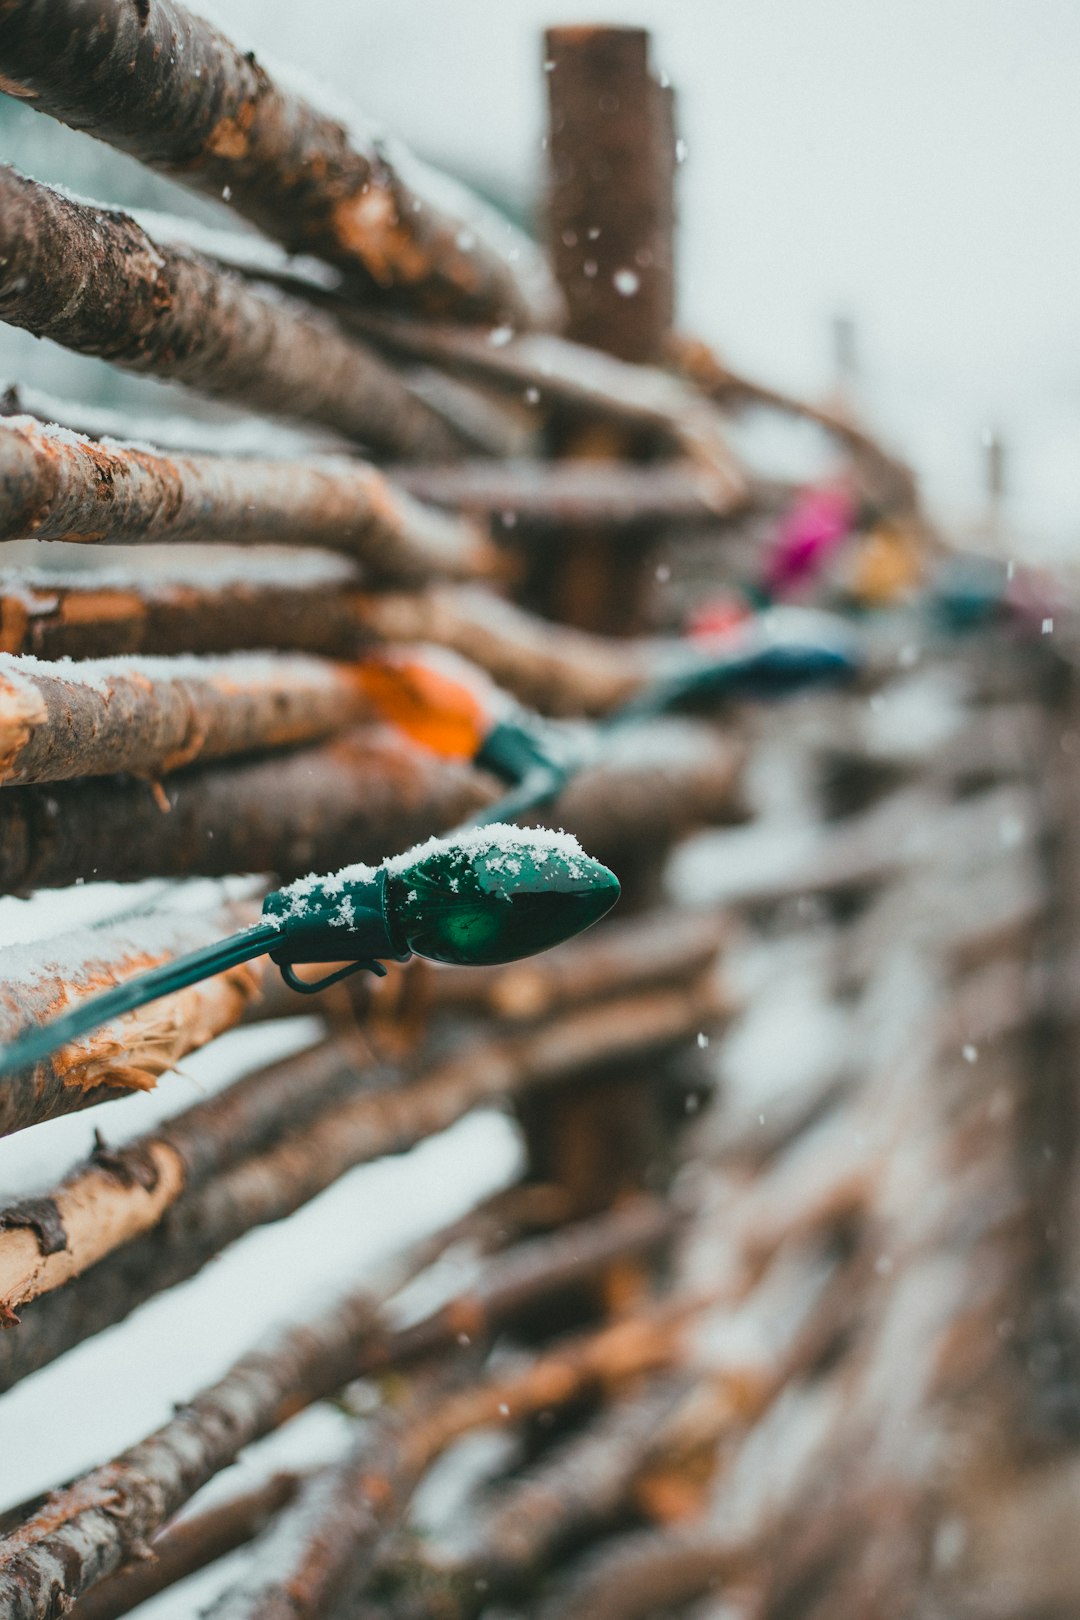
(496, 894)
(490, 894)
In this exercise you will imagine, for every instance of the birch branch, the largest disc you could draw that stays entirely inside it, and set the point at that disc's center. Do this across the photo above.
(92, 280)
(152, 716)
(167, 87)
(60, 486)
(38, 981)
(198, 1165)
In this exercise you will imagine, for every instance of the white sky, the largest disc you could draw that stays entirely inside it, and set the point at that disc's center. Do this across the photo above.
(913, 162)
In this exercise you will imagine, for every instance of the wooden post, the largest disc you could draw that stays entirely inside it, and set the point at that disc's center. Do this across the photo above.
(611, 232)
(610, 220)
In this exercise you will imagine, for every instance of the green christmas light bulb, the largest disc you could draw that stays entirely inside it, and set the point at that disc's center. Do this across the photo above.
(490, 894)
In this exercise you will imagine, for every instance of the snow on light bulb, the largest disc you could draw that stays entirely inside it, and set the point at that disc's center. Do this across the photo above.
(490, 894)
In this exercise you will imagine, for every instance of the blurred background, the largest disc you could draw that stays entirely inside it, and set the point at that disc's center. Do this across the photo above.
(882, 196)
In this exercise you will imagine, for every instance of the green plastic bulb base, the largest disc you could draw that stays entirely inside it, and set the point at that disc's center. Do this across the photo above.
(498, 894)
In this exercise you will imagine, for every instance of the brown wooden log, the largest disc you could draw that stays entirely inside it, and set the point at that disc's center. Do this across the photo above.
(196, 1167)
(187, 1546)
(552, 667)
(59, 486)
(167, 87)
(152, 716)
(38, 982)
(183, 600)
(582, 381)
(87, 1530)
(597, 494)
(92, 280)
(359, 798)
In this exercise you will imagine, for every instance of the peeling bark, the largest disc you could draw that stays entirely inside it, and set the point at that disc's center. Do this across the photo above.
(182, 1549)
(39, 982)
(359, 798)
(119, 1194)
(58, 486)
(149, 718)
(91, 279)
(167, 87)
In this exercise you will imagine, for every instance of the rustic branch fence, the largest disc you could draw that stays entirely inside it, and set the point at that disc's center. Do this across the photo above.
(780, 1320)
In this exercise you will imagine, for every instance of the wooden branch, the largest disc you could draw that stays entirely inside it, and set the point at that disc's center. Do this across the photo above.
(92, 280)
(549, 494)
(582, 380)
(89, 1529)
(119, 1193)
(198, 1164)
(888, 480)
(38, 981)
(182, 601)
(357, 798)
(318, 1547)
(636, 1576)
(550, 667)
(59, 486)
(167, 87)
(149, 717)
(187, 1546)
(655, 784)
